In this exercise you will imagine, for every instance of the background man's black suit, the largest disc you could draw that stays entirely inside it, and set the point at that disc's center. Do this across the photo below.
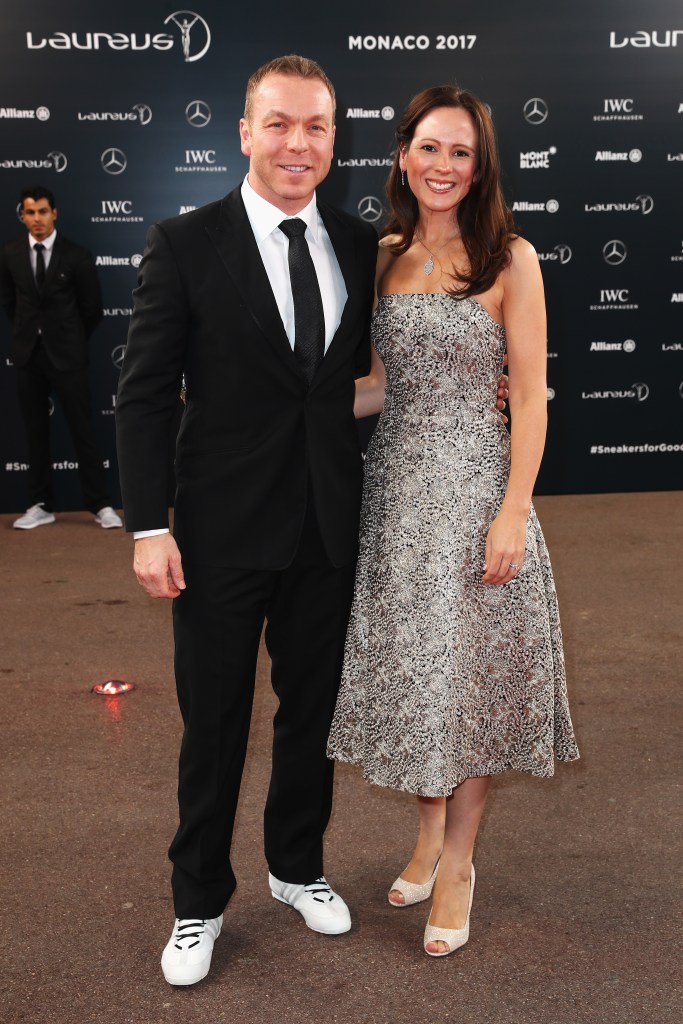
(268, 492)
(49, 347)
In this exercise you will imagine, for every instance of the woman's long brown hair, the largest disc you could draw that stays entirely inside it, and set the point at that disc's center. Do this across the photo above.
(485, 221)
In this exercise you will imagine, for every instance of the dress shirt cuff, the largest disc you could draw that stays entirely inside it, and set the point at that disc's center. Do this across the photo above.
(139, 534)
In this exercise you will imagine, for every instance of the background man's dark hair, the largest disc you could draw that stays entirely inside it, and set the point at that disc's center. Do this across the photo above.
(36, 192)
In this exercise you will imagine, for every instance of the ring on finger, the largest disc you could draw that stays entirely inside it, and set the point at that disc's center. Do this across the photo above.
(515, 567)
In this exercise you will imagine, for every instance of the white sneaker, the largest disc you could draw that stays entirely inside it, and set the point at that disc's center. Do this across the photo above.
(187, 956)
(32, 517)
(107, 518)
(321, 907)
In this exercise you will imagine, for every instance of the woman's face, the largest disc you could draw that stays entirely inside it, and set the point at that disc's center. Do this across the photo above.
(441, 161)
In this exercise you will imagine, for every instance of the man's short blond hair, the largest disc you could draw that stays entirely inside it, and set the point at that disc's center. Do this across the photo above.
(292, 64)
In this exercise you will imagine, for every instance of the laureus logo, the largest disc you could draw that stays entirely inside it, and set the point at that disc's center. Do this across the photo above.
(195, 35)
(58, 160)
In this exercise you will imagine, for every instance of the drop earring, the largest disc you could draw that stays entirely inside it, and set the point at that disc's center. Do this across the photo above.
(403, 177)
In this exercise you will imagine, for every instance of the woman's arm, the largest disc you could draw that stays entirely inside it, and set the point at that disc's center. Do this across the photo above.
(525, 327)
(370, 390)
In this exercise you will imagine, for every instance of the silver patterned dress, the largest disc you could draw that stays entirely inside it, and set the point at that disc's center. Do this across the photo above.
(444, 677)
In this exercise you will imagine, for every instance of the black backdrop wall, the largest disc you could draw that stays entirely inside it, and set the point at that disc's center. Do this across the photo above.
(129, 112)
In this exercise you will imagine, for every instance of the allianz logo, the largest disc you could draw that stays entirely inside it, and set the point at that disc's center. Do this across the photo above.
(140, 113)
(644, 40)
(613, 346)
(366, 161)
(40, 113)
(677, 297)
(536, 159)
(186, 209)
(118, 261)
(632, 155)
(550, 206)
(386, 113)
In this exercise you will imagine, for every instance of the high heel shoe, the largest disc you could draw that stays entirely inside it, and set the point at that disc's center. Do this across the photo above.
(413, 892)
(453, 937)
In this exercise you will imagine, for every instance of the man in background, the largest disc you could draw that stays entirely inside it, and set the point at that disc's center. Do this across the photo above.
(50, 292)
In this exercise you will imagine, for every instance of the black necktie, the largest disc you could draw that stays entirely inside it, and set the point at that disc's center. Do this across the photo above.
(40, 265)
(309, 319)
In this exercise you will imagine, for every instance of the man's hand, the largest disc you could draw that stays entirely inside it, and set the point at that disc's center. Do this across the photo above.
(158, 565)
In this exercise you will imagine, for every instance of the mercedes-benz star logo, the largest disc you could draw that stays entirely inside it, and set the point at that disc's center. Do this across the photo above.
(114, 161)
(198, 113)
(143, 111)
(185, 21)
(370, 208)
(58, 159)
(535, 110)
(117, 355)
(614, 252)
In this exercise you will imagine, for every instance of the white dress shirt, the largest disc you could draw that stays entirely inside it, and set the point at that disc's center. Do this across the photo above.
(47, 252)
(273, 246)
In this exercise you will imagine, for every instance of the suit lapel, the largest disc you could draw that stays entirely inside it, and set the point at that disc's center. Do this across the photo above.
(233, 238)
(53, 265)
(343, 244)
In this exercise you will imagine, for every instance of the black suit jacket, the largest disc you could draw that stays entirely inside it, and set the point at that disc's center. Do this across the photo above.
(253, 434)
(65, 312)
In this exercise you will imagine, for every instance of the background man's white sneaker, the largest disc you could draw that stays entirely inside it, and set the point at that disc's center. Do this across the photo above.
(107, 518)
(32, 517)
(187, 956)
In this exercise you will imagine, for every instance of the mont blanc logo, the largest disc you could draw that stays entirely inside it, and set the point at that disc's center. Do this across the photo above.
(644, 40)
(386, 113)
(633, 156)
(54, 161)
(15, 113)
(549, 206)
(535, 159)
(535, 110)
(613, 346)
(614, 252)
(618, 108)
(114, 161)
(641, 204)
(198, 113)
(370, 209)
(140, 113)
(117, 355)
(559, 254)
(195, 35)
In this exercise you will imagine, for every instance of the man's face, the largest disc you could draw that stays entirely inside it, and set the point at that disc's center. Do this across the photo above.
(288, 140)
(39, 217)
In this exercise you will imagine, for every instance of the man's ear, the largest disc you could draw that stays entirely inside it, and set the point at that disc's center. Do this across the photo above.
(245, 137)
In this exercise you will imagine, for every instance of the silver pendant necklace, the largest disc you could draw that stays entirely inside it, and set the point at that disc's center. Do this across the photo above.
(429, 264)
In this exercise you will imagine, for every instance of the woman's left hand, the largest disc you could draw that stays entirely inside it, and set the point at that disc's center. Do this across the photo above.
(505, 545)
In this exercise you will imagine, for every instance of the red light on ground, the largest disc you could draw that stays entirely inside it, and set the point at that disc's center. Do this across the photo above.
(113, 688)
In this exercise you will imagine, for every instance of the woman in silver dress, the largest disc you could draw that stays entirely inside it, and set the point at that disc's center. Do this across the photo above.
(453, 667)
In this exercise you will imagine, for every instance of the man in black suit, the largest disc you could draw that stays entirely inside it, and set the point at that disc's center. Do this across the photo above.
(261, 303)
(50, 291)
